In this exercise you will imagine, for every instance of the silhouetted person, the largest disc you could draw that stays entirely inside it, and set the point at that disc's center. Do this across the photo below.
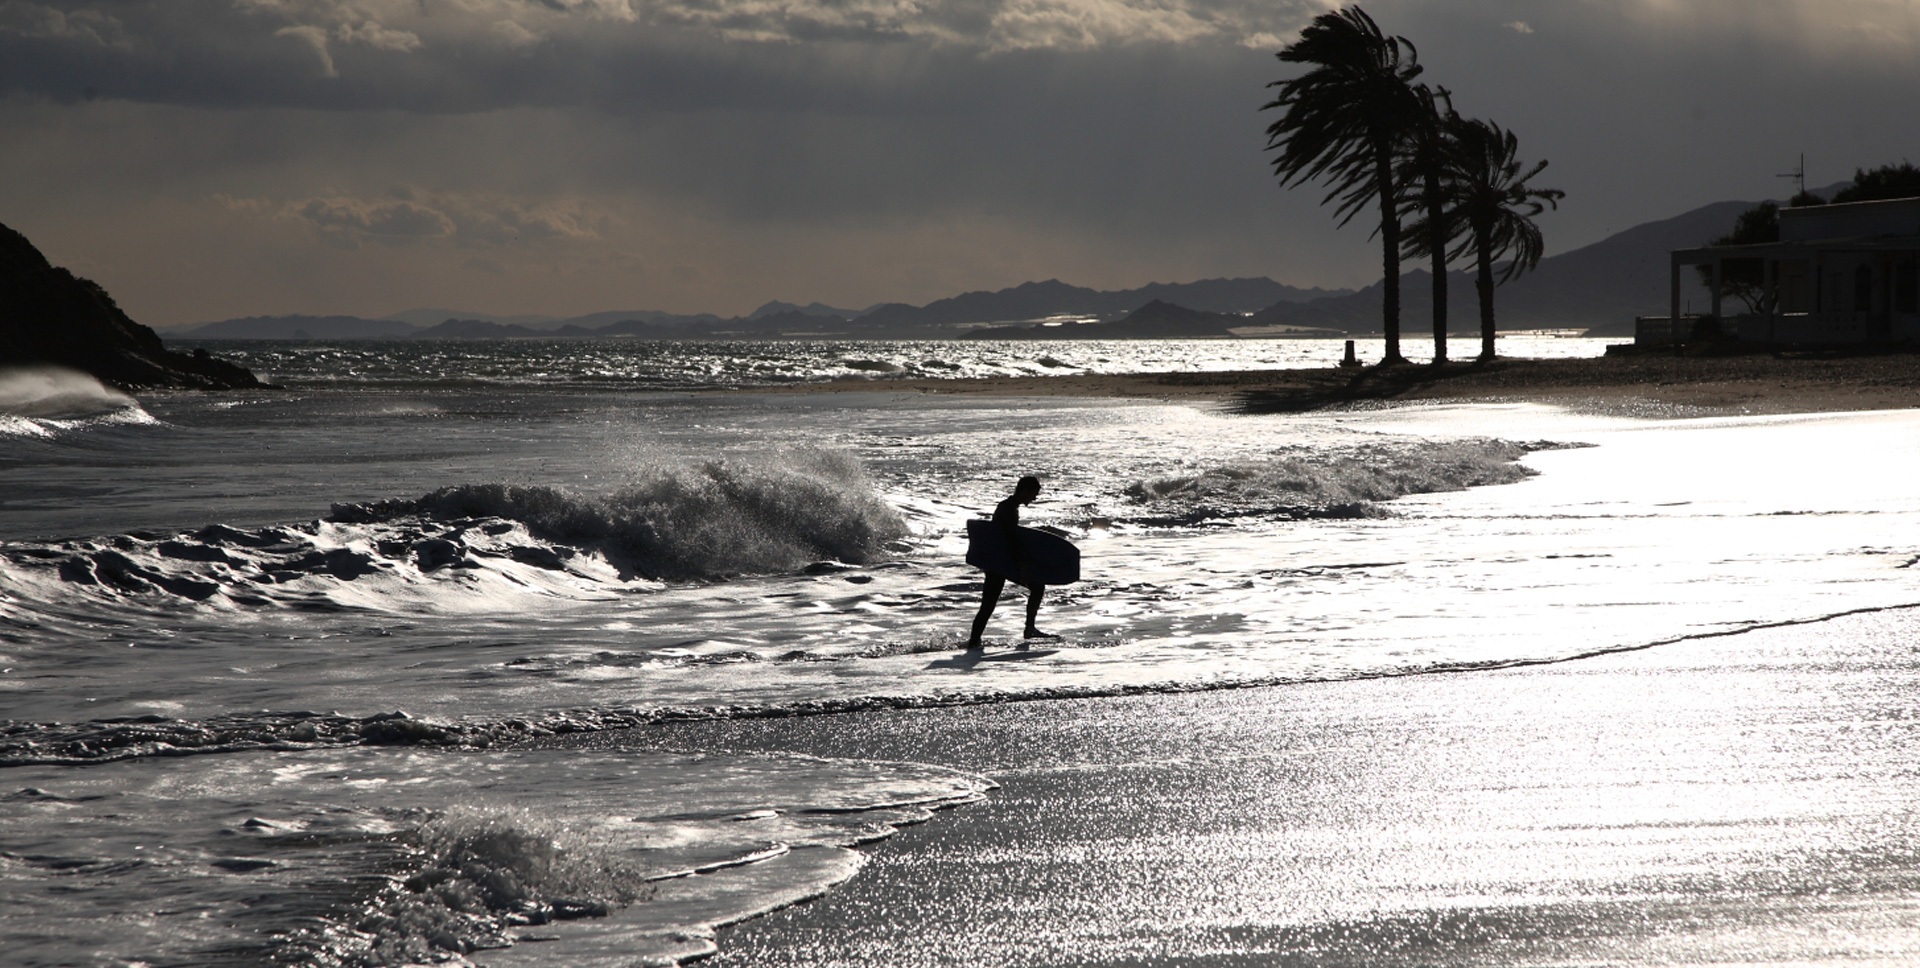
(1007, 516)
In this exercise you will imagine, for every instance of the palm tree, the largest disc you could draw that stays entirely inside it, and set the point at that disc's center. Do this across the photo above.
(1344, 121)
(1492, 200)
(1426, 158)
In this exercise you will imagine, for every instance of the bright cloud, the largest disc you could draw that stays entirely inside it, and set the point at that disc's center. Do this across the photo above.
(378, 36)
(849, 150)
(315, 39)
(1823, 27)
(995, 25)
(1084, 24)
(85, 26)
(408, 217)
(386, 221)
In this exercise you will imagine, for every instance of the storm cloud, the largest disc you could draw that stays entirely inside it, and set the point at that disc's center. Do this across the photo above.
(573, 155)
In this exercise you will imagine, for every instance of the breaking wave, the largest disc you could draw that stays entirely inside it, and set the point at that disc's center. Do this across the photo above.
(57, 392)
(43, 401)
(1340, 484)
(472, 879)
(716, 520)
(374, 858)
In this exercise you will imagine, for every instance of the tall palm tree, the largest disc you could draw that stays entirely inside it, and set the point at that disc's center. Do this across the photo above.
(1343, 121)
(1492, 200)
(1426, 161)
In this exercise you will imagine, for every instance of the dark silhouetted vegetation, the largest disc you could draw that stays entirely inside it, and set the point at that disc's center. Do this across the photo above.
(1492, 199)
(1881, 184)
(51, 317)
(1745, 279)
(1428, 203)
(1359, 122)
(1344, 121)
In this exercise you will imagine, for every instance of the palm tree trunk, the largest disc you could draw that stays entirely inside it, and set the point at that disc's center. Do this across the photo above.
(1437, 239)
(1389, 251)
(1484, 283)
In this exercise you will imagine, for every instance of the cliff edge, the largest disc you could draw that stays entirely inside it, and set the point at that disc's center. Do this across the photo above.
(51, 316)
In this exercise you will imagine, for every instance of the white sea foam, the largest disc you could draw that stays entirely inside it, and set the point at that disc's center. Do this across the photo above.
(1337, 483)
(15, 426)
(495, 613)
(51, 391)
(47, 401)
(754, 516)
(485, 547)
(371, 858)
(515, 605)
(651, 364)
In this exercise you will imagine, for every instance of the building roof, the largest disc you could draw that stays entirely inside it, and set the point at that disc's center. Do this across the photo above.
(1892, 225)
(1899, 217)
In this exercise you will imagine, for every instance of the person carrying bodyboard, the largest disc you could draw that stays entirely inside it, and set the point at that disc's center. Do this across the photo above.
(1006, 525)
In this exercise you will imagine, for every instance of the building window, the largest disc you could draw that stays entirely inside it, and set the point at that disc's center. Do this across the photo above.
(1906, 287)
(1863, 289)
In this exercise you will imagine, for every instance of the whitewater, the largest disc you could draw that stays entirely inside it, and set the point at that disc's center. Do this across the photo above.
(280, 671)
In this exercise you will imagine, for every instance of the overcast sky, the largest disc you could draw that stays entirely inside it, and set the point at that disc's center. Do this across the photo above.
(213, 158)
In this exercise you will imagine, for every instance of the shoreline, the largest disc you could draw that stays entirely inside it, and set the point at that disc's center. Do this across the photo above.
(1634, 384)
(1718, 801)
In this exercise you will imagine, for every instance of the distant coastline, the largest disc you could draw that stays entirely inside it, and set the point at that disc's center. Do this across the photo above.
(1649, 385)
(1599, 288)
(1101, 314)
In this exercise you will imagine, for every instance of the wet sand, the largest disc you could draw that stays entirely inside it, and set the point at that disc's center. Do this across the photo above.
(1739, 799)
(1730, 800)
(1654, 385)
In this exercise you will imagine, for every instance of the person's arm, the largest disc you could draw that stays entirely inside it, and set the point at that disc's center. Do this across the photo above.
(1007, 516)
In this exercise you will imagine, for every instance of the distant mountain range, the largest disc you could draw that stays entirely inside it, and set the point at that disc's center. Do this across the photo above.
(1053, 298)
(811, 309)
(1155, 320)
(1599, 287)
(950, 317)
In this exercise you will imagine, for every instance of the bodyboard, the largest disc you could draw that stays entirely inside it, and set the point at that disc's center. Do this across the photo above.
(1051, 559)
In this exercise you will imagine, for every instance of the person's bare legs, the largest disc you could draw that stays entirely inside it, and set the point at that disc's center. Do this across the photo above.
(989, 597)
(1034, 594)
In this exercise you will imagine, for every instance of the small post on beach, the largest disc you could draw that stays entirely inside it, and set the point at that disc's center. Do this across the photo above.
(1351, 360)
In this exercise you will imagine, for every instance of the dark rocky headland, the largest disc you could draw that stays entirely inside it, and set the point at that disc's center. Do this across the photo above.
(51, 317)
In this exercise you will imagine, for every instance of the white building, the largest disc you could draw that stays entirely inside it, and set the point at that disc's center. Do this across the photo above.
(1846, 273)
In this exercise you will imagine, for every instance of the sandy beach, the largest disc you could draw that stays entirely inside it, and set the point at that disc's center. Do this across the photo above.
(1359, 770)
(1650, 385)
(1730, 799)
(1733, 800)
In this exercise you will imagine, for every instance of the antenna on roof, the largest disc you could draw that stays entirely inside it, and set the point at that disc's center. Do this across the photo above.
(1799, 174)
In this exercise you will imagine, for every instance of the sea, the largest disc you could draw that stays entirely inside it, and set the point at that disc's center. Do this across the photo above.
(285, 675)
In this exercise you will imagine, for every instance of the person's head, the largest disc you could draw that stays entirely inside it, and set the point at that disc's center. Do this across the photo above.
(1027, 489)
